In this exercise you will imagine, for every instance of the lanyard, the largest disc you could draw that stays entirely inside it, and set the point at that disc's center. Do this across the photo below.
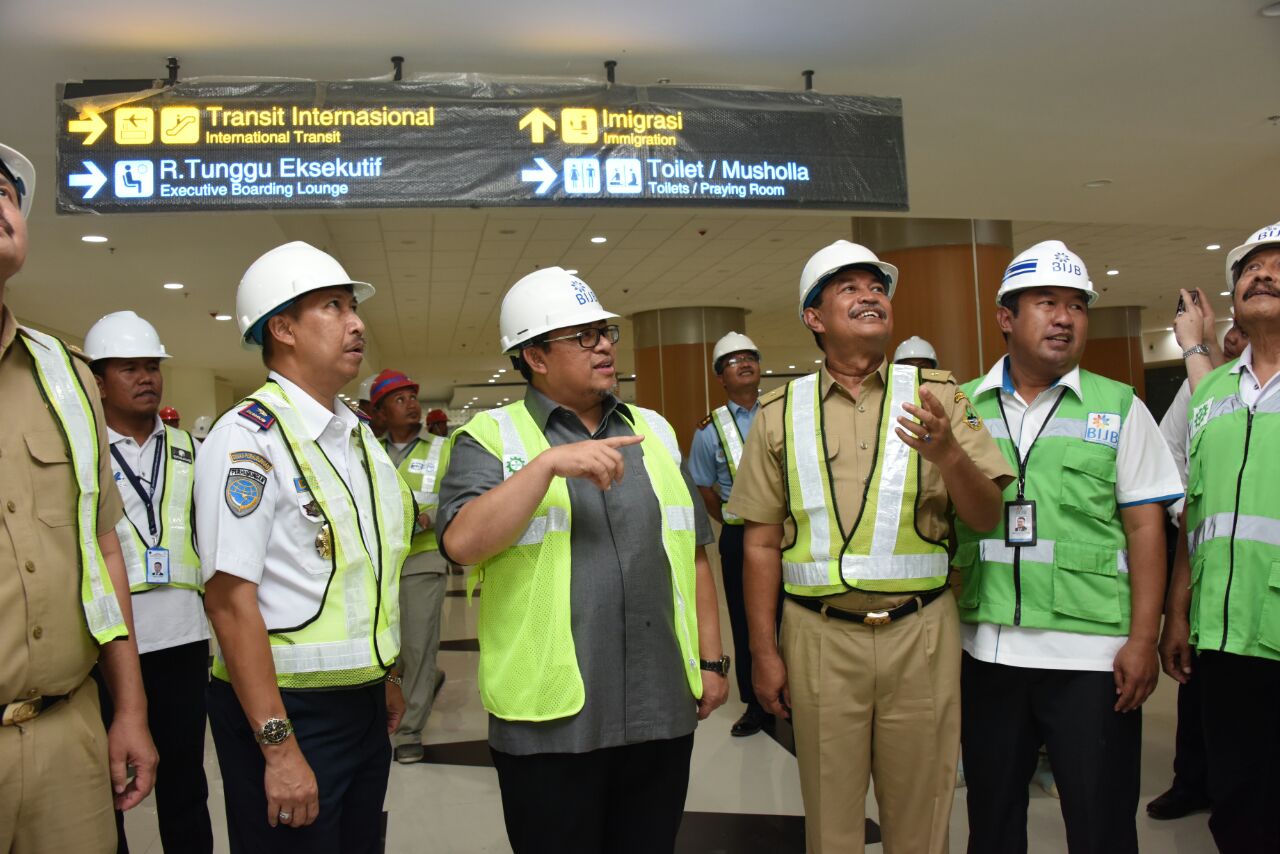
(1017, 444)
(147, 495)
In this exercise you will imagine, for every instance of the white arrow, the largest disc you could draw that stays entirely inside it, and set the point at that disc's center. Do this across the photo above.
(543, 173)
(93, 179)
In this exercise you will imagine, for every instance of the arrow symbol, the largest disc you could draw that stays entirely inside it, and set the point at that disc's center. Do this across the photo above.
(92, 180)
(543, 173)
(538, 123)
(89, 123)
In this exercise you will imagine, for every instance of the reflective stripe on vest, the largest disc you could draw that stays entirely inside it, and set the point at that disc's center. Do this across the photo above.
(884, 545)
(355, 635)
(528, 661)
(995, 551)
(66, 397)
(428, 452)
(731, 443)
(176, 503)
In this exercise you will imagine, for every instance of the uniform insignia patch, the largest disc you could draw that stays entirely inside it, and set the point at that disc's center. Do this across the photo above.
(300, 484)
(250, 457)
(182, 455)
(704, 422)
(513, 464)
(258, 414)
(1200, 416)
(244, 491)
(972, 419)
(1103, 428)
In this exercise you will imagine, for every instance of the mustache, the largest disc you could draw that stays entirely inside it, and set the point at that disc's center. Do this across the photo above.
(880, 312)
(1260, 289)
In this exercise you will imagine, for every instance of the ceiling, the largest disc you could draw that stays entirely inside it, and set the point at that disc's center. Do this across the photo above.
(1009, 110)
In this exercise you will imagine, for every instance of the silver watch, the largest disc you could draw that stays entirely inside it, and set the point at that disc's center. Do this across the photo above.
(1191, 351)
(274, 731)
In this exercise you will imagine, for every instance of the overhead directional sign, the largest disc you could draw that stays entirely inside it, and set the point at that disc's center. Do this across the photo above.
(468, 140)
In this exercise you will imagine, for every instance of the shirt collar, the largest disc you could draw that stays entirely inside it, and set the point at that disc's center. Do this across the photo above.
(1245, 360)
(8, 329)
(316, 417)
(826, 382)
(734, 408)
(1000, 378)
(541, 407)
(113, 437)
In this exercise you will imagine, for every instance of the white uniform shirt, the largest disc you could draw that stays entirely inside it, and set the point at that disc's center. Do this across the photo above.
(163, 617)
(1173, 427)
(1253, 392)
(273, 545)
(1145, 473)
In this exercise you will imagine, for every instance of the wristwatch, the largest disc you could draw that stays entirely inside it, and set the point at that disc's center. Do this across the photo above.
(274, 731)
(394, 679)
(1191, 351)
(719, 665)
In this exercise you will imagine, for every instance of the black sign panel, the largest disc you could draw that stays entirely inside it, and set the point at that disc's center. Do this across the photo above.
(468, 140)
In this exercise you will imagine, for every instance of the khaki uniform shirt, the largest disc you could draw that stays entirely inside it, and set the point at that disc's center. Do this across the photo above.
(45, 645)
(852, 427)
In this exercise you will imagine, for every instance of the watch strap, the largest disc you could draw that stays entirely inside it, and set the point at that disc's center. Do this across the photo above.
(719, 665)
(1200, 349)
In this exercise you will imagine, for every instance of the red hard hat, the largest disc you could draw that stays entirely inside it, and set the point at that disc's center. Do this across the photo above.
(436, 416)
(387, 382)
(168, 413)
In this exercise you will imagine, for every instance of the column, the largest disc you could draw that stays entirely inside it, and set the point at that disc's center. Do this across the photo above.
(1115, 345)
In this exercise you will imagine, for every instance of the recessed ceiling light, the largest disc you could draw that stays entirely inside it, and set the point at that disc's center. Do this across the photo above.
(572, 272)
(1272, 11)
(791, 367)
(222, 317)
(94, 238)
(817, 361)
(768, 372)
(1224, 293)
(493, 381)
(1214, 247)
(173, 286)
(1096, 183)
(502, 370)
(506, 400)
(599, 239)
(1113, 272)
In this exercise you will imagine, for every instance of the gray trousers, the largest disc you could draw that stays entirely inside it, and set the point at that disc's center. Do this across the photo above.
(421, 598)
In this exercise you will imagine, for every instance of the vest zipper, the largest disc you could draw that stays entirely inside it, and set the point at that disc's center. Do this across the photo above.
(1017, 586)
(1235, 521)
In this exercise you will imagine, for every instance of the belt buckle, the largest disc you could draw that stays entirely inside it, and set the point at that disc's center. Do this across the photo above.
(877, 618)
(20, 713)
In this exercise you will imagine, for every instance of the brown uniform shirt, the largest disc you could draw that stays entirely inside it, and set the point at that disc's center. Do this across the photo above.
(45, 645)
(852, 430)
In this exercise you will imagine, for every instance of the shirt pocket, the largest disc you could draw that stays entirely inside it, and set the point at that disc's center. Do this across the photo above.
(53, 481)
(970, 592)
(1269, 623)
(1086, 582)
(1089, 481)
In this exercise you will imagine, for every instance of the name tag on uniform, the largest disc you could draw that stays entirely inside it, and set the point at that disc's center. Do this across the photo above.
(157, 566)
(417, 466)
(1019, 523)
(1103, 428)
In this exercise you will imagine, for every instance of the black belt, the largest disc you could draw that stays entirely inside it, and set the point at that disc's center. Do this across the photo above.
(22, 711)
(870, 618)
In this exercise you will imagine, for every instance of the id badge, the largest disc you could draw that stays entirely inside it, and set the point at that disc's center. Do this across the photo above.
(1020, 523)
(157, 566)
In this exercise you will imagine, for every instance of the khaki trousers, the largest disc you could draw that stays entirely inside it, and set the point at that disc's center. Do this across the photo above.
(881, 703)
(421, 600)
(55, 791)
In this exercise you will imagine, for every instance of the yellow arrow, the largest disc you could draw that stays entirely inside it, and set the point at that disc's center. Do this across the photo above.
(538, 123)
(93, 126)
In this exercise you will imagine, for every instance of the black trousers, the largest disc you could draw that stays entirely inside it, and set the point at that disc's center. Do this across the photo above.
(175, 681)
(1190, 762)
(1006, 714)
(1241, 697)
(343, 735)
(618, 800)
(731, 572)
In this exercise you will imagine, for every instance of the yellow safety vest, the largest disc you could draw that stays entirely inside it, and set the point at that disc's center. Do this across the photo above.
(63, 392)
(885, 552)
(355, 636)
(423, 470)
(528, 662)
(731, 443)
(177, 528)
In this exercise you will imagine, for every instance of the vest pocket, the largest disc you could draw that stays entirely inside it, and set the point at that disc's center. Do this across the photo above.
(970, 594)
(1086, 582)
(1269, 622)
(52, 479)
(1089, 481)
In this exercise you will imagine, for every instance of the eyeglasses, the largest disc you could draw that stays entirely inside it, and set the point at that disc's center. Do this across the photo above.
(588, 338)
(730, 361)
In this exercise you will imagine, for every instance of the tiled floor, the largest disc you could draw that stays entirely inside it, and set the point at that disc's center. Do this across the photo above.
(744, 794)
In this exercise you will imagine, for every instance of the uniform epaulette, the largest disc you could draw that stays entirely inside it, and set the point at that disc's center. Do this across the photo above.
(936, 375)
(258, 414)
(777, 394)
(77, 352)
(704, 422)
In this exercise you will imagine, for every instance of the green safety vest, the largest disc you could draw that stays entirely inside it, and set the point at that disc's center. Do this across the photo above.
(1076, 577)
(731, 439)
(355, 636)
(1233, 519)
(176, 523)
(60, 385)
(423, 470)
(885, 552)
(528, 662)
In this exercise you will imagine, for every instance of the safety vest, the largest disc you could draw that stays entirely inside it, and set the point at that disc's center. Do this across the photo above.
(1233, 519)
(355, 636)
(423, 469)
(731, 439)
(528, 663)
(60, 385)
(1076, 576)
(885, 552)
(175, 521)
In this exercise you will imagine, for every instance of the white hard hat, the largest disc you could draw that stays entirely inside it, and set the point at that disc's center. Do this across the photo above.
(734, 342)
(123, 335)
(544, 300)
(1048, 264)
(201, 428)
(915, 347)
(281, 276)
(829, 260)
(1267, 236)
(366, 388)
(23, 175)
